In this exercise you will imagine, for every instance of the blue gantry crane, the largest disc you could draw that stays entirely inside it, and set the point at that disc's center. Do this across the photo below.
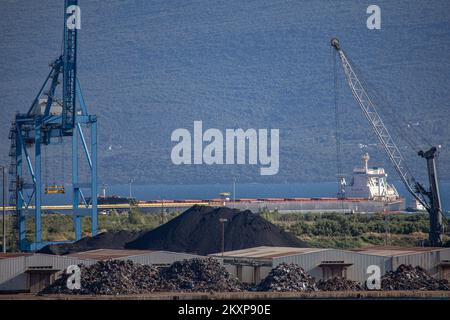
(50, 119)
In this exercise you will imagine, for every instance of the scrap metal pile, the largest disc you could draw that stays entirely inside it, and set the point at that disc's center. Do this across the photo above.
(287, 277)
(201, 275)
(407, 277)
(110, 277)
(339, 284)
(119, 277)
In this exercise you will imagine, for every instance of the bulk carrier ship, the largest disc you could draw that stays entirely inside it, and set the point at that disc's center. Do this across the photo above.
(367, 192)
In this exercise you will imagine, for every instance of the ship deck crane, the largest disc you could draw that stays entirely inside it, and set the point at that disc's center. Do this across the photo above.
(430, 199)
(50, 118)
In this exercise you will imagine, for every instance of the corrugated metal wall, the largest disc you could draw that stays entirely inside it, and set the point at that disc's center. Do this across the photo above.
(427, 260)
(12, 271)
(160, 257)
(12, 274)
(14, 278)
(248, 273)
(445, 254)
(357, 271)
(56, 262)
(359, 260)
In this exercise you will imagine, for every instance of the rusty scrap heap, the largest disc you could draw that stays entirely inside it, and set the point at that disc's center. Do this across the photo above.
(122, 277)
(201, 275)
(287, 277)
(119, 277)
(407, 277)
(339, 284)
(112, 277)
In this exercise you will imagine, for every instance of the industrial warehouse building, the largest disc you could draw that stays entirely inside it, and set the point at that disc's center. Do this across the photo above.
(253, 264)
(31, 272)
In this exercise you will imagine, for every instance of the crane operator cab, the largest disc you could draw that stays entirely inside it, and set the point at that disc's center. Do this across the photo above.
(54, 189)
(40, 106)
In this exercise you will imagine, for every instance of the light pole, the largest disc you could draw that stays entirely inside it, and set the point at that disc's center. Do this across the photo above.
(131, 181)
(234, 191)
(4, 210)
(222, 221)
(162, 210)
(104, 190)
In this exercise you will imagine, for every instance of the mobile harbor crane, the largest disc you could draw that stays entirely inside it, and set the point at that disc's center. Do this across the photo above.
(430, 199)
(50, 119)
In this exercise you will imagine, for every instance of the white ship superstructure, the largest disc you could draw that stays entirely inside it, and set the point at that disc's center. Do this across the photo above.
(370, 183)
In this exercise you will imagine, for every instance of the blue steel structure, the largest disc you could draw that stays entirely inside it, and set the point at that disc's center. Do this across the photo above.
(40, 126)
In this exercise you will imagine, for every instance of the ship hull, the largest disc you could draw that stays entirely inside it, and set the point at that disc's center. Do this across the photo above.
(326, 205)
(284, 205)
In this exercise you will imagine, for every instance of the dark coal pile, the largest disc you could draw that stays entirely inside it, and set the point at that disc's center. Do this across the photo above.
(198, 275)
(198, 230)
(407, 277)
(287, 277)
(105, 240)
(111, 277)
(339, 284)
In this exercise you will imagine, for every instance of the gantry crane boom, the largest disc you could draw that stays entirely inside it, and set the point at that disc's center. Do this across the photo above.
(69, 60)
(50, 117)
(429, 199)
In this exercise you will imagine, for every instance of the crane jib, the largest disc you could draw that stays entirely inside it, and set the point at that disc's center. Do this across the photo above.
(433, 205)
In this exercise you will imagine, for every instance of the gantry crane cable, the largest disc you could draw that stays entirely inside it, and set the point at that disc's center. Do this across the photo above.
(63, 160)
(336, 118)
(46, 165)
(375, 120)
(397, 120)
(430, 199)
(341, 181)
